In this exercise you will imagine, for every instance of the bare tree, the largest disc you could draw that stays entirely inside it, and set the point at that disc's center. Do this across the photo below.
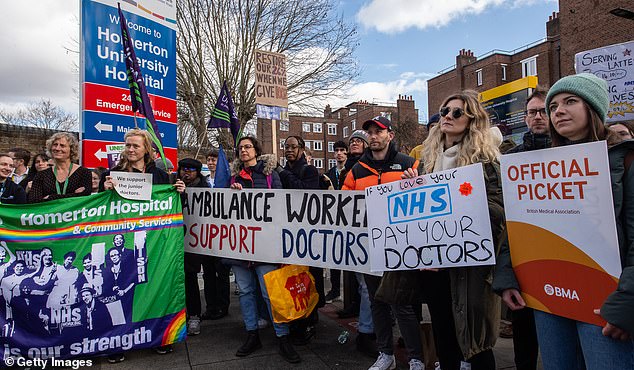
(42, 114)
(217, 40)
(408, 134)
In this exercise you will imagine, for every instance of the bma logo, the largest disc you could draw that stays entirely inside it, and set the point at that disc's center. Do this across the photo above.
(561, 292)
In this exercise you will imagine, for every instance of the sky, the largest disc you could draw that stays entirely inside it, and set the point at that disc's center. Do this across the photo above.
(402, 44)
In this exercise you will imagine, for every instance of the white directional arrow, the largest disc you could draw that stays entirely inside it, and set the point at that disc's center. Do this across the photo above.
(103, 127)
(100, 154)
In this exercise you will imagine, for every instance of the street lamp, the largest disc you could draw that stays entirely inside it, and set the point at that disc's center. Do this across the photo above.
(623, 13)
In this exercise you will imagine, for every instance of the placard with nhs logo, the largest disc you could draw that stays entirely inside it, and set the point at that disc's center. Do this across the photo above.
(436, 220)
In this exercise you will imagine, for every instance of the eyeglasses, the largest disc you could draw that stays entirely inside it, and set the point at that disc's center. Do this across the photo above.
(356, 141)
(455, 112)
(189, 169)
(245, 147)
(291, 147)
(533, 112)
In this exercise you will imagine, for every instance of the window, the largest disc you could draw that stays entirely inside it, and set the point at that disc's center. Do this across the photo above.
(332, 129)
(503, 72)
(305, 127)
(352, 111)
(307, 142)
(479, 76)
(331, 146)
(332, 163)
(345, 131)
(282, 143)
(354, 124)
(318, 162)
(283, 125)
(316, 127)
(318, 145)
(529, 66)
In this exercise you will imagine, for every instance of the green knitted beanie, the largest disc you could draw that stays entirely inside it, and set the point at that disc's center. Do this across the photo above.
(589, 87)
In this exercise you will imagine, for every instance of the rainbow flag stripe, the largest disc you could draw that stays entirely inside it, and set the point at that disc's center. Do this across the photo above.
(136, 3)
(96, 229)
(176, 331)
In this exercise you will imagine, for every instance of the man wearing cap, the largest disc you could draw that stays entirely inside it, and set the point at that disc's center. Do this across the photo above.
(382, 163)
(216, 276)
(94, 314)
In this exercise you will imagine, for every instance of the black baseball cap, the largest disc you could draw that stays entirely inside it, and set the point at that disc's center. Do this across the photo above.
(380, 121)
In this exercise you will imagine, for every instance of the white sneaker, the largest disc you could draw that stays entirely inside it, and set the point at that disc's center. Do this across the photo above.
(384, 362)
(437, 365)
(193, 325)
(415, 364)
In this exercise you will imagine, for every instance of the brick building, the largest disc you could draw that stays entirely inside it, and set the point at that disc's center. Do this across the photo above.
(580, 25)
(321, 132)
(31, 138)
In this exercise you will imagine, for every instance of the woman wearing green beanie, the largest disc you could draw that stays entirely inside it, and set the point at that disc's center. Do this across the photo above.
(577, 106)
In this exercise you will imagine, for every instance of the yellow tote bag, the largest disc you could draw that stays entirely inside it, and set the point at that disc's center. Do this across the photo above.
(292, 293)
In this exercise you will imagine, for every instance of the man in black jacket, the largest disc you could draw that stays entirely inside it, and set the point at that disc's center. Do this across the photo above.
(334, 175)
(537, 136)
(10, 192)
(298, 174)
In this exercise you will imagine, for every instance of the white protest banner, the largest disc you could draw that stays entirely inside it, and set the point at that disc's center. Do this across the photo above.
(435, 220)
(614, 64)
(313, 228)
(562, 230)
(132, 185)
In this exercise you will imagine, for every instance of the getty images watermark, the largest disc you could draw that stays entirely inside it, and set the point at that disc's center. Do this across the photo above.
(44, 363)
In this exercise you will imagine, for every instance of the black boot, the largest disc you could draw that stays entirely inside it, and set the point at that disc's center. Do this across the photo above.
(287, 351)
(251, 345)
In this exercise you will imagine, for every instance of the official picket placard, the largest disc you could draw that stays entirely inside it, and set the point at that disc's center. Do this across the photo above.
(270, 79)
(561, 227)
(317, 228)
(435, 220)
(77, 273)
(614, 64)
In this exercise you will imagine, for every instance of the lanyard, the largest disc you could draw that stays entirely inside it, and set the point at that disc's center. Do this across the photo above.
(65, 181)
(2, 188)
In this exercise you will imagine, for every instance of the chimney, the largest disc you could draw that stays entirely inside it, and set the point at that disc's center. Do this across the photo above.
(327, 111)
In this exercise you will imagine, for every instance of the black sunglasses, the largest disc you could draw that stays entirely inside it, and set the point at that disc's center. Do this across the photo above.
(455, 112)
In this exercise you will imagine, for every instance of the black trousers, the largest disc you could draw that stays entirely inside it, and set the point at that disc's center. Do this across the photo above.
(524, 339)
(408, 323)
(335, 281)
(216, 278)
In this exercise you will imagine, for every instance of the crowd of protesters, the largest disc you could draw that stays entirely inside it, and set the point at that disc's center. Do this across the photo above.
(464, 302)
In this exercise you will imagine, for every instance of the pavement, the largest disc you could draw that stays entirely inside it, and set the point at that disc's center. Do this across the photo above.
(218, 341)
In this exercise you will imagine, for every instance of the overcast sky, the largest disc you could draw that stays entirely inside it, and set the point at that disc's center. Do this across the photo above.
(403, 43)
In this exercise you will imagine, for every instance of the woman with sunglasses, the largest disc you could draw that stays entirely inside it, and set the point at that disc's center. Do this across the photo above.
(465, 311)
(577, 107)
(253, 170)
(66, 178)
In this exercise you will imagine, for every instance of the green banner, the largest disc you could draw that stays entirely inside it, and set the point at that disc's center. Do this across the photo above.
(91, 275)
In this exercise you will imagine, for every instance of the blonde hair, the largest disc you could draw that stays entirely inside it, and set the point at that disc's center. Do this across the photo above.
(73, 144)
(124, 163)
(477, 142)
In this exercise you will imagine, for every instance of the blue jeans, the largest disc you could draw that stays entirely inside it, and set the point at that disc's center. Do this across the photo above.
(569, 344)
(246, 280)
(366, 324)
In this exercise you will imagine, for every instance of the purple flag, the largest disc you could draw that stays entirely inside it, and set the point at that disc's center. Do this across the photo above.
(138, 93)
(224, 114)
